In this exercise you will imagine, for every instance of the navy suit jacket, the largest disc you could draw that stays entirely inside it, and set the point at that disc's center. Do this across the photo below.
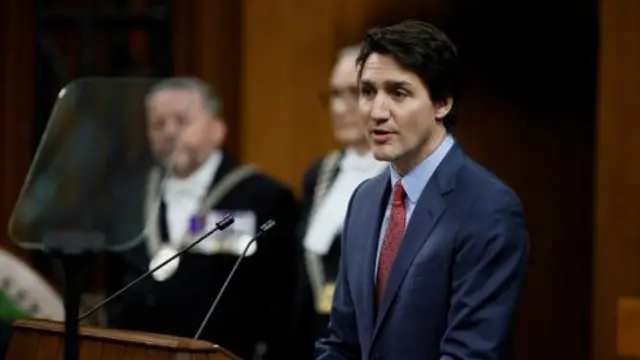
(453, 287)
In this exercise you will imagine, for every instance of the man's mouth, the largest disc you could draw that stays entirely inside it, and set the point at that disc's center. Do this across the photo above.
(380, 136)
(380, 132)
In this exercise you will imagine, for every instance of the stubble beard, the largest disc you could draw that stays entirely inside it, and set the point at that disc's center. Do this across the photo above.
(409, 159)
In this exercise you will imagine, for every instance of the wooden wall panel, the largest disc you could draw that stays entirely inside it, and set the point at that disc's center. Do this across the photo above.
(617, 192)
(287, 53)
(207, 44)
(16, 105)
(349, 23)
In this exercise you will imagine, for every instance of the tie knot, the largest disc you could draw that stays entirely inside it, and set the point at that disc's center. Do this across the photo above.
(398, 194)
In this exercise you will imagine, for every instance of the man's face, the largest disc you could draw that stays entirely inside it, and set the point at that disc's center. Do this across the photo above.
(402, 121)
(348, 125)
(182, 134)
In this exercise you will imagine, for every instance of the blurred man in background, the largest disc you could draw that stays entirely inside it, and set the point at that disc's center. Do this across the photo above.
(196, 185)
(327, 187)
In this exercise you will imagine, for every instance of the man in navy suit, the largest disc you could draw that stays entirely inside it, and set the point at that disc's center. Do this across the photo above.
(434, 250)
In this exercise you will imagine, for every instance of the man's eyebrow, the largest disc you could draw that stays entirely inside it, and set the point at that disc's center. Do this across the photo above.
(397, 83)
(387, 83)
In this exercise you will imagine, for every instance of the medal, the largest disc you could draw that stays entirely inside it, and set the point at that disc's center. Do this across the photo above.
(168, 269)
(196, 224)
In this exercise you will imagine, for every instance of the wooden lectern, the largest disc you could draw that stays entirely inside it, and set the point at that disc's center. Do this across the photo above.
(44, 340)
(628, 327)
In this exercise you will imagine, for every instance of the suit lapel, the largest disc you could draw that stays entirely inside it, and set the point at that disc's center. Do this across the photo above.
(429, 208)
(425, 216)
(373, 215)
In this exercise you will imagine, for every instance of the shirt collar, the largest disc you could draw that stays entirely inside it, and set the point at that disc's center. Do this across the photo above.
(415, 181)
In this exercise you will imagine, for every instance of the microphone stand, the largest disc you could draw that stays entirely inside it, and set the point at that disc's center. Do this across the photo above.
(263, 229)
(220, 225)
(72, 248)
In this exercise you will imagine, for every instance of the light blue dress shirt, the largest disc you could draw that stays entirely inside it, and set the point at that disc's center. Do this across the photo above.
(413, 184)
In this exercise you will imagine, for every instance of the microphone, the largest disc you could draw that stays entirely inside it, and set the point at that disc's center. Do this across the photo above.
(263, 229)
(220, 225)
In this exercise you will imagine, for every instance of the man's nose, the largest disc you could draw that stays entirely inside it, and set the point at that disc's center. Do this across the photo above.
(380, 109)
(171, 130)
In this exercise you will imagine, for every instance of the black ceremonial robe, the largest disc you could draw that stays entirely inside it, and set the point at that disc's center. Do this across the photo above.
(312, 324)
(257, 306)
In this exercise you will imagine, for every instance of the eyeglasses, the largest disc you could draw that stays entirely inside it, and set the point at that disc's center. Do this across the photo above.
(348, 93)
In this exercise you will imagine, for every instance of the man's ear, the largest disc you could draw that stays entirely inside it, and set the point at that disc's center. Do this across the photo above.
(443, 108)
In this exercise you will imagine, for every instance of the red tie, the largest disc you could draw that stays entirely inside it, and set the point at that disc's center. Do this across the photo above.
(392, 240)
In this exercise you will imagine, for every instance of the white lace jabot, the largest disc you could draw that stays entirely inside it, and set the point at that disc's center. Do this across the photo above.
(182, 197)
(330, 214)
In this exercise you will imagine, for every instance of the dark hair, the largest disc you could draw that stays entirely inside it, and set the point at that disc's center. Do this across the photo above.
(423, 49)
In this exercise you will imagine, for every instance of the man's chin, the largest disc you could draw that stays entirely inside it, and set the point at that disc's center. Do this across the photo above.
(181, 167)
(383, 153)
(348, 136)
